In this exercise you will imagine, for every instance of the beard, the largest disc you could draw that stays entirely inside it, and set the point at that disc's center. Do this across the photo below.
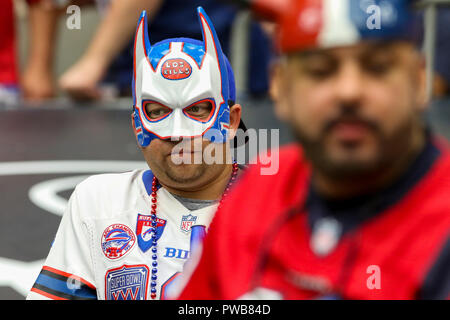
(388, 149)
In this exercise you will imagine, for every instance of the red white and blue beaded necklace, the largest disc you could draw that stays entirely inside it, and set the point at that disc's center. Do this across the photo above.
(154, 205)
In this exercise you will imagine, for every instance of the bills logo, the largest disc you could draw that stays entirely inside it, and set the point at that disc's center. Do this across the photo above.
(127, 283)
(176, 69)
(117, 240)
(144, 230)
(187, 222)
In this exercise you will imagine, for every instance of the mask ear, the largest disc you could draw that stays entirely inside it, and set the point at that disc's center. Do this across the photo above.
(142, 138)
(213, 48)
(141, 49)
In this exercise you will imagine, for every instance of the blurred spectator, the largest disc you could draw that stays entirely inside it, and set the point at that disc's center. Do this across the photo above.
(37, 77)
(8, 64)
(363, 193)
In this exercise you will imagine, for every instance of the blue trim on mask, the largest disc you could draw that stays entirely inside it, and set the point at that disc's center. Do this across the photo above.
(157, 52)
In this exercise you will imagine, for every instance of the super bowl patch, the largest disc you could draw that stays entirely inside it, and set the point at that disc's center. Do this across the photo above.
(127, 283)
(187, 222)
(144, 230)
(117, 240)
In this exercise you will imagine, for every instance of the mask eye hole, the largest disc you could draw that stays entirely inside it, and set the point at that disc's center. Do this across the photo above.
(201, 110)
(155, 111)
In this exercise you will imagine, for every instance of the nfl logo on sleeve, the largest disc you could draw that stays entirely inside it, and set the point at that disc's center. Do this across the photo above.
(187, 222)
(127, 283)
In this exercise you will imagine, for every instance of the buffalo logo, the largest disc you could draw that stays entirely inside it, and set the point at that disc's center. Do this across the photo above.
(176, 69)
(144, 231)
(117, 240)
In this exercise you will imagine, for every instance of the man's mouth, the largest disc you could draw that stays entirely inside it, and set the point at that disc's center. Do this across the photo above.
(350, 130)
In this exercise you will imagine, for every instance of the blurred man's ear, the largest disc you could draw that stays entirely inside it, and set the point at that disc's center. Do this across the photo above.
(422, 94)
(419, 66)
(277, 78)
(235, 118)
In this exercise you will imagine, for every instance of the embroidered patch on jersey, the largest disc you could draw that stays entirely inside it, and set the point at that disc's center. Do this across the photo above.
(187, 222)
(127, 283)
(117, 240)
(144, 231)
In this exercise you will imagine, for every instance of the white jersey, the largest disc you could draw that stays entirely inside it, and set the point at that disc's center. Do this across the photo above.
(103, 250)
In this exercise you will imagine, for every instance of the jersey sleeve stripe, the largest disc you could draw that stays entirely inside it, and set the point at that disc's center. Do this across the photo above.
(67, 275)
(68, 286)
(54, 294)
(58, 285)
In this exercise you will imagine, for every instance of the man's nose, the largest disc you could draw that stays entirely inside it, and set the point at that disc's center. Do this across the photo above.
(349, 83)
(182, 127)
(177, 125)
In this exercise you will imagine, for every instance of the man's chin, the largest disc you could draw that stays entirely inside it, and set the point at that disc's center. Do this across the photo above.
(184, 172)
(349, 166)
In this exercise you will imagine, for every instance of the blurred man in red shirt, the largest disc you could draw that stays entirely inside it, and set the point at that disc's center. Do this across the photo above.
(359, 208)
(8, 64)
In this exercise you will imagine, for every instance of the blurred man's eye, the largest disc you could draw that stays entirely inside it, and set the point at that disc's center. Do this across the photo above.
(200, 110)
(155, 111)
(319, 68)
(379, 59)
(320, 72)
(378, 66)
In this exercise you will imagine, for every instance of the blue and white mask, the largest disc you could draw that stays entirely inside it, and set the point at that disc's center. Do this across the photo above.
(178, 74)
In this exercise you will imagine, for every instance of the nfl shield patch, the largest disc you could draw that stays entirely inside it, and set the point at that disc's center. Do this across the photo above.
(127, 283)
(144, 231)
(187, 222)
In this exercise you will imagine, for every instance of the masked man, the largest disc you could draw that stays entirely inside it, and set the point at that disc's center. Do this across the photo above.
(360, 207)
(128, 236)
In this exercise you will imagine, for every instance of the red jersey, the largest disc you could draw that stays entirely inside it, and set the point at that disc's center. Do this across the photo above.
(275, 237)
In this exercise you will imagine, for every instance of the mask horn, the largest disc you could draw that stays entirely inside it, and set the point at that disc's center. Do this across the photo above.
(212, 45)
(141, 42)
(141, 47)
(210, 38)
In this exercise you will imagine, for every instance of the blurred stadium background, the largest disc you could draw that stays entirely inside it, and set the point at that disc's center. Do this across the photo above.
(47, 148)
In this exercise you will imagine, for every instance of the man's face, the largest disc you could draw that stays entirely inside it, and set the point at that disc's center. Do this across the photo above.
(184, 163)
(352, 108)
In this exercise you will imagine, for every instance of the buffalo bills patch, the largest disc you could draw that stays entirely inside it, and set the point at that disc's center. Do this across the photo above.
(117, 240)
(127, 283)
(176, 69)
(187, 222)
(144, 230)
